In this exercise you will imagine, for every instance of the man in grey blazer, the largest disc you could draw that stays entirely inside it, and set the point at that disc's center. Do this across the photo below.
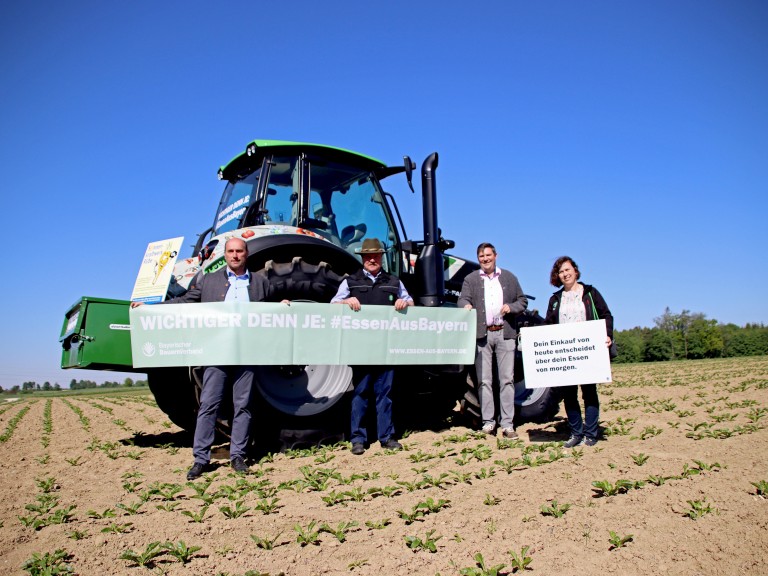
(497, 296)
(230, 284)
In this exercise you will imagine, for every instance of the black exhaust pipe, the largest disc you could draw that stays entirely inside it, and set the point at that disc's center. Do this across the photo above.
(430, 261)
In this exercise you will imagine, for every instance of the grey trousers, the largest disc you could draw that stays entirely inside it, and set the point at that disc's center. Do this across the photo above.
(215, 380)
(505, 362)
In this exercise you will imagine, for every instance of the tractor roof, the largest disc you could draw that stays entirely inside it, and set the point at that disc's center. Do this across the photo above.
(257, 149)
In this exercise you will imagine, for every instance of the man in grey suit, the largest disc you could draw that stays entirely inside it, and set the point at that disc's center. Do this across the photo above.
(234, 283)
(497, 296)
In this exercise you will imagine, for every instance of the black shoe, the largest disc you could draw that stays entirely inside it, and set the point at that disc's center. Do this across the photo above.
(239, 465)
(196, 471)
(590, 441)
(357, 448)
(392, 444)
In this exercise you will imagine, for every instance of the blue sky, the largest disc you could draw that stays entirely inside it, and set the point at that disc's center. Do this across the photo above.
(632, 136)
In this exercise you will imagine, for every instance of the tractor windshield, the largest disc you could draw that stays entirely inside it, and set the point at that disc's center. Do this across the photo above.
(344, 203)
(235, 201)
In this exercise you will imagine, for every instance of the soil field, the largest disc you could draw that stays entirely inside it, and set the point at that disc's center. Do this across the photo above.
(679, 479)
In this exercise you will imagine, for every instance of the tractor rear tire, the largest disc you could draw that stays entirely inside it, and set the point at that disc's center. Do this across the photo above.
(175, 394)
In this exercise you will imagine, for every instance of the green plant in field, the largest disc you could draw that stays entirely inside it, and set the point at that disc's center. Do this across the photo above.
(555, 509)
(49, 564)
(12, 424)
(520, 561)
(656, 480)
(231, 513)
(130, 509)
(698, 508)
(622, 427)
(481, 569)
(134, 454)
(436, 482)
(46, 484)
(605, 488)
(509, 464)
(485, 473)
(108, 513)
(378, 524)
(73, 461)
(45, 503)
(357, 564)
(167, 506)
(577, 454)
(62, 515)
(420, 456)
(324, 457)
(482, 452)
(410, 516)
(491, 526)
(265, 542)
(640, 459)
(428, 543)
(650, 432)
(116, 528)
(145, 558)
(409, 486)
(180, 550)
(308, 535)
(491, 500)
(761, 487)
(462, 477)
(333, 498)
(704, 467)
(431, 506)
(389, 491)
(267, 506)
(196, 516)
(756, 414)
(131, 485)
(340, 531)
(618, 541)
(531, 462)
(357, 494)
(504, 444)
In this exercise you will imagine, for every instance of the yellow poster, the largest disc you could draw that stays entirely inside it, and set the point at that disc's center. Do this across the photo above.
(156, 270)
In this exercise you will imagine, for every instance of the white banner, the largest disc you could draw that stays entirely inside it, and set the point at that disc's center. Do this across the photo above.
(565, 354)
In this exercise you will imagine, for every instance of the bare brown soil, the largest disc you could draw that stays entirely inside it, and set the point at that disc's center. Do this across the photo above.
(702, 426)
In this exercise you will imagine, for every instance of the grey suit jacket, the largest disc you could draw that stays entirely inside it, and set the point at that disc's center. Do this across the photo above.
(473, 293)
(213, 288)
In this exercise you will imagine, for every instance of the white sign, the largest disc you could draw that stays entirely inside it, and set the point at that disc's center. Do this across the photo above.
(156, 270)
(565, 354)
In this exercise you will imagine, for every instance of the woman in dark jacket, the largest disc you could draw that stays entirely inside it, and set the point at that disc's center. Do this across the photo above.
(576, 302)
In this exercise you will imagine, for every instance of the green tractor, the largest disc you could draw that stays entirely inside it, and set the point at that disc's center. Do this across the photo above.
(303, 210)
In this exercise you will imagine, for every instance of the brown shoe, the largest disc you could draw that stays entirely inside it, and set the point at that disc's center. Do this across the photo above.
(509, 434)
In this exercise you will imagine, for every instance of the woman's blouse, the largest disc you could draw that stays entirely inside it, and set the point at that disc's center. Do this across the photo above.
(572, 306)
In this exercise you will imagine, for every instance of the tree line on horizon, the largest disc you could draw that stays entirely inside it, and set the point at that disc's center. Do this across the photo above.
(689, 336)
(30, 387)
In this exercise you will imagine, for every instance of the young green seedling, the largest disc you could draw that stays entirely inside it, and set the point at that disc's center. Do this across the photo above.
(481, 569)
(265, 542)
(520, 562)
(429, 543)
(618, 541)
(180, 550)
(145, 558)
(340, 531)
(307, 536)
(196, 516)
(555, 509)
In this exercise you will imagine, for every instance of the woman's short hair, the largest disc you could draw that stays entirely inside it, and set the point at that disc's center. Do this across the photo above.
(554, 276)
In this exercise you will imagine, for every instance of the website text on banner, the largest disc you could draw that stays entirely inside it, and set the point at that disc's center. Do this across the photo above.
(260, 333)
(565, 354)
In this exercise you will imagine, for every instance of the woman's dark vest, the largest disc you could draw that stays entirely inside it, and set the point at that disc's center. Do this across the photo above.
(382, 292)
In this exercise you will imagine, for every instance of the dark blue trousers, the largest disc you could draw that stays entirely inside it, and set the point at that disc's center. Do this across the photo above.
(587, 427)
(379, 381)
(215, 381)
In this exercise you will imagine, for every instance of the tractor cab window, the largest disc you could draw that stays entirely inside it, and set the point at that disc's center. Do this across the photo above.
(236, 199)
(350, 205)
(281, 203)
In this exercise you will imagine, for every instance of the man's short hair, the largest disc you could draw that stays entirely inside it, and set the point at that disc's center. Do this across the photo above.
(485, 245)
